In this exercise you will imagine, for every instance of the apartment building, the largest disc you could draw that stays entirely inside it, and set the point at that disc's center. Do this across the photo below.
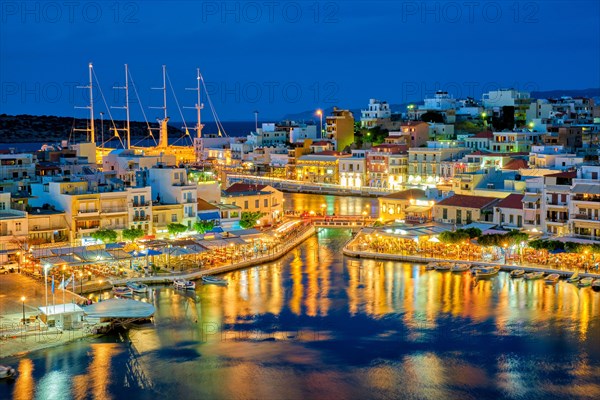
(352, 170)
(584, 207)
(255, 198)
(14, 229)
(170, 185)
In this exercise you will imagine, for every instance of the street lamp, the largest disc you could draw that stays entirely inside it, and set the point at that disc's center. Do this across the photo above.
(80, 283)
(19, 262)
(46, 268)
(320, 114)
(23, 301)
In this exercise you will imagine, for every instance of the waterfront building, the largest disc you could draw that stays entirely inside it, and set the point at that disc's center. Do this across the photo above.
(375, 111)
(340, 128)
(170, 185)
(125, 164)
(352, 170)
(379, 163)
(256, 198)
(508, 213)
(555, 202)
(584, 207)
(320, 167)
(425, 163)
(46, 225)
(14, 229)
(163, 214)
(410, 205)
(462, 209)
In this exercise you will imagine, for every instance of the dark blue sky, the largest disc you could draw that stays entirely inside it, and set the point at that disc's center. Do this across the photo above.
(290, 56)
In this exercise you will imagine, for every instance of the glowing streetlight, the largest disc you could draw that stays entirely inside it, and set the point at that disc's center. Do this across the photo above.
(320, 114)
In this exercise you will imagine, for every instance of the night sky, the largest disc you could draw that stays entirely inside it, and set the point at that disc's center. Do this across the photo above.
(290, 56)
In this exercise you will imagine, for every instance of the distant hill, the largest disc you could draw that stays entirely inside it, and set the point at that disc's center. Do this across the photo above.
(310, 115)
(553, 94)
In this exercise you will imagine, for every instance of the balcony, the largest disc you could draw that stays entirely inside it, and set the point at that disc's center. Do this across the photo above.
(87, 213)
(584, 217)
(141, 218)
(140, 204)
(189, 201)
(559, 221)
(114, 210)
(587, 199)
(557, 204)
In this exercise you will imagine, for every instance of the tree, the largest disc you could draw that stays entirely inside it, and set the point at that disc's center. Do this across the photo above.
(250, 218)
(133, 234)
(105, 235)
(176, 228)
(450, 237)
(432, 116)
(204, 226)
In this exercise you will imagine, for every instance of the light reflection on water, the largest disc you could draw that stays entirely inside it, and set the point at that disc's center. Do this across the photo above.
(318, 325)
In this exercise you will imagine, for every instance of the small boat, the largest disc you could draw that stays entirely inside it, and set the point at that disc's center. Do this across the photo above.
(585, 282)
(574, 278)
(442, 267)
(487, 272)
(214, 280)
(552, 278)
(596, 285)
(517, 273)
(122, 290)
(137, 287)
(7, 372)
(183, 284)
(460, 267)
(531, 276)
(431, 266)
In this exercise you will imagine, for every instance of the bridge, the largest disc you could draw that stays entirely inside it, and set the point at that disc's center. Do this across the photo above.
(343, 221)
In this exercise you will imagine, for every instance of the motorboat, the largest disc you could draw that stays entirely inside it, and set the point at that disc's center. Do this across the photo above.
(531, 276)
(442, 267)
(552, 278)
(7, 372)
(431, 266)
(137, 287)
(460, 267)
(585, 282)
(574, 278)
(122, 290)
(596, 285)
(517, 273)
(214, 280)
(183, 284)
(487, 272)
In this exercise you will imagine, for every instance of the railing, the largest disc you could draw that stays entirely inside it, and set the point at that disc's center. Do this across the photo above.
(557, 203)
(585, 217)
(141, 218)
(114, 210)
(582, 198)
(557, 220)
(87, 211)
(141, 204)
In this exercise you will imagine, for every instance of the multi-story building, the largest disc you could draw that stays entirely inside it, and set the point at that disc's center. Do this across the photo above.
(462, 209)
(480, 141)
(47, 226)
(352, 170)
(378, 164)
(411, 133)
(16, 172)
(124, 164)
(441, 101)
(340, 128)
(320, 167)
(584, 207)
(301, 132)
(505, 98)
(555, 202)
(170, 185)
(164, 214)
(508, 212)
(425, 163)
(256, 198)
(14, 229)
(269, 134)
(515, 142)
(408, 205)
(376, 111)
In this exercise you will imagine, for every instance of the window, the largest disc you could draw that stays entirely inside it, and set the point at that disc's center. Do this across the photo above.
(245, 204)
(173, 217)
(256, 203)
(444, 213)
(18, 226)
(266, 202)
(2, 206)
(511, 219)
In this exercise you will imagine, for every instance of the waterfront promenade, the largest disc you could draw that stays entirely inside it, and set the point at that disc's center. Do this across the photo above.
(353, 249)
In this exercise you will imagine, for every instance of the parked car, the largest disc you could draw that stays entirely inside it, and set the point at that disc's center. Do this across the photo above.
(8, 267)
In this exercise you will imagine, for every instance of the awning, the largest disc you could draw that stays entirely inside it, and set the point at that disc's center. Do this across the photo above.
(119, 308)
(145, 252)
(209, 216)
(531, 198)
(418, 209)
(67, 308)
(589, 189)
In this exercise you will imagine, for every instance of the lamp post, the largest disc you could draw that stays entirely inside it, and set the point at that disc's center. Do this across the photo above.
(320, 114)
(23, 301)
(19, 262)
(80, 283)
(46, 267)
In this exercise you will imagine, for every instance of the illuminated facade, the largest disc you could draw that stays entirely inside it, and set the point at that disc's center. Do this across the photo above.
(408, 205)
(352, 170)
(319, 168)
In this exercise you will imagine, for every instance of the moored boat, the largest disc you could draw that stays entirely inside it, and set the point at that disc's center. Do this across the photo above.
(460, 267)
(137, 287)
(517, 273)
(214, 280)
(574, 278)
(552, 278)
(431, 266)
(122, 290)
(596, 285)
(444, 266)
(183, 284)
(7, 372)
(487, 272)
(531, 276)
(583, 282)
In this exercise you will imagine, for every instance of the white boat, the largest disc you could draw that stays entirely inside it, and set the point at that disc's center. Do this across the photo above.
(596, 285)
(214, 280)
(183, 284)
(534, 275)
(585, 282)
(552, 278)
(137, 287)
(487, 272)
(442, 267)
(7, 372)
(122, 291)
(574, 278)
(517, 273)
(460, 267)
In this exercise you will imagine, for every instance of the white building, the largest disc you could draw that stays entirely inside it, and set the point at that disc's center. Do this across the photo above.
(170, 185)
(504, 97)
(352, 169)
(301, 132)
(123, 164)
(375, 111)
(13, 229)
(16, 172)
(441, 101)
(584, 207)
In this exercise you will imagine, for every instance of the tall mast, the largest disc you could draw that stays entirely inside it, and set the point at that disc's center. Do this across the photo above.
(199, 106)
(126, 107)
(91, 128)
(163, 128)
(164, 89)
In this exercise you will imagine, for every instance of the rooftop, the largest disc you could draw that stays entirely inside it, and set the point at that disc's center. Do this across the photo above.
(512, 201)
(465, 201)
(516, 164)
(406, 195)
